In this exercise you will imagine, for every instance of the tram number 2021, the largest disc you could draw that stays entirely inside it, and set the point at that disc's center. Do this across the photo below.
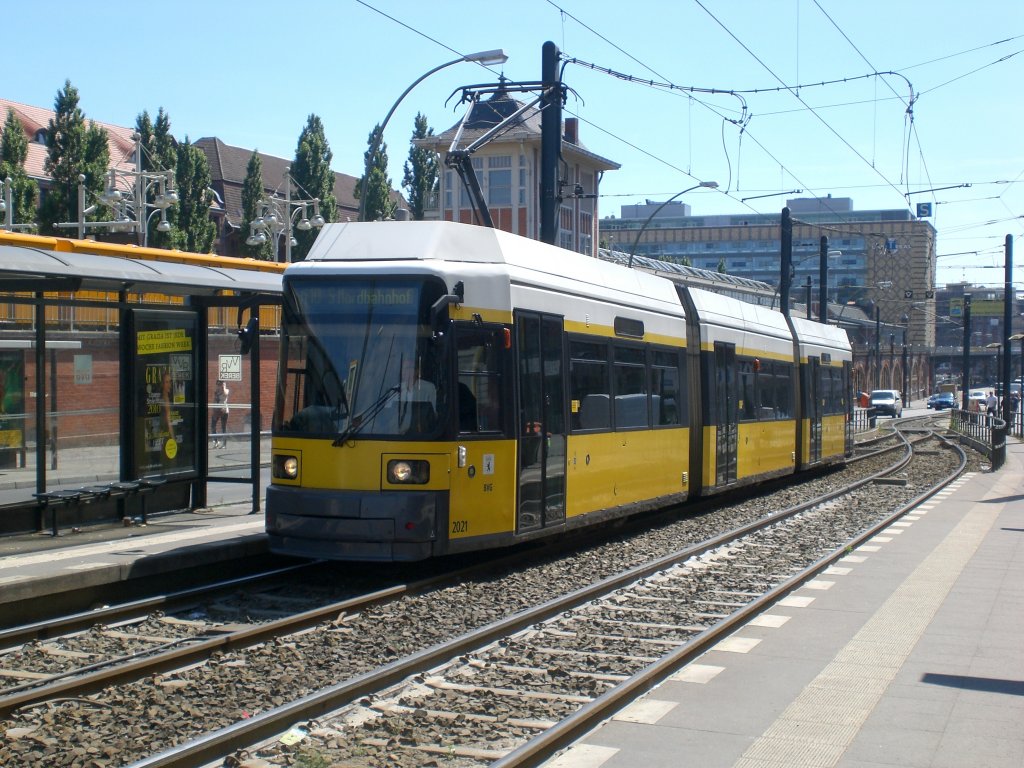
(460, 526)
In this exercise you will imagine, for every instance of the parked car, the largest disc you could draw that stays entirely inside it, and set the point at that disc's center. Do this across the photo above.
(940, 401)
(887, 401)
(932, 398)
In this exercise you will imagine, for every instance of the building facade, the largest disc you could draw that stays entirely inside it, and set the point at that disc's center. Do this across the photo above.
(228, 166)
(880, 261)
(508, 171)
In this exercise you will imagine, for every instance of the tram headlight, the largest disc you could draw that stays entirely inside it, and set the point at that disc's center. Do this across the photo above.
(286, 467)
(408, 471)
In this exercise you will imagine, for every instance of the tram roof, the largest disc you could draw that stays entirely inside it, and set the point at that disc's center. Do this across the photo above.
(26, 268)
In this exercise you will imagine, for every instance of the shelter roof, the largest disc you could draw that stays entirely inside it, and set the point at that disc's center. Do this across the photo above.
(25, 266)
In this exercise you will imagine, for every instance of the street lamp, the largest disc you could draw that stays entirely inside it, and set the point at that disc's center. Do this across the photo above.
(1020, 337)
(7, 207)
(486, 58)
(278, 217)
(636, 241)
(131, 206)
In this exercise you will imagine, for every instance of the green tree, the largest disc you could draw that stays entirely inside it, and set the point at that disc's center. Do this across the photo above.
(721, 267)
(72, 148)
(314, 179)
(13, 153)
(159, 153)
(421, 171)
(252, 193)
(378, 204)
(195, 231)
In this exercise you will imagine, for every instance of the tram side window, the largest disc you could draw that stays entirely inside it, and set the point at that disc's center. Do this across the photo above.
(784, 390)
(479, 390)
(666, 402)
(748, 396)
(589, 386)
(766, 391)
(630, 390)
(827, 391)
(838, 399)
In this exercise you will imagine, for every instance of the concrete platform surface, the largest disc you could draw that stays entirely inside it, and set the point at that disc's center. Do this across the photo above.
(908, 652)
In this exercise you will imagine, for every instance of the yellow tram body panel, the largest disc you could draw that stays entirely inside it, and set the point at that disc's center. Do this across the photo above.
(609, 469)
(360, 465)
(833, 436)
(483, 492)
(710, 464)
(766, 448)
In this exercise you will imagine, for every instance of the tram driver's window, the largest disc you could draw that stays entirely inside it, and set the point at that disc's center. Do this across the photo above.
(479, 404)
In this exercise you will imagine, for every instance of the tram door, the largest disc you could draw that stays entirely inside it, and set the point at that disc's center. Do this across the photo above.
(814, 408)
(541, 421)
(726, 412)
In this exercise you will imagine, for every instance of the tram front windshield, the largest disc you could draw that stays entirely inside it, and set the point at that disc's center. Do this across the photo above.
(358, 358)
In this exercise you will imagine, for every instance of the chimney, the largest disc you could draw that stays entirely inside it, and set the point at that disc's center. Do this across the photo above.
(572, 130)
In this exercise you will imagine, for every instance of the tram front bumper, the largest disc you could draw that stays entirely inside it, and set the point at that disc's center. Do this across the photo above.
(355, 525)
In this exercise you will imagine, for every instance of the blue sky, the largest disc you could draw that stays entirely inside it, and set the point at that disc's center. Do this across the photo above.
(251, 72)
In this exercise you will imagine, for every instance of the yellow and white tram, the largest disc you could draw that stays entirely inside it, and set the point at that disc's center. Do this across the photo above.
(445, 387)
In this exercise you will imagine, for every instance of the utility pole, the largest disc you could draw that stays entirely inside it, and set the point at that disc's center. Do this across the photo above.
(822, 281)
(878, 347)
(1007, 321)
(966, 378)
(550, 142)
(786, 261)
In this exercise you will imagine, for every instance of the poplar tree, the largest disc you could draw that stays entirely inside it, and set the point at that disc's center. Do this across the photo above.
(13, 154)
(195, 231)
(159, 153)
(313, 178)
(421, 171)
(378, 204)
(72, 148)
(252, 193)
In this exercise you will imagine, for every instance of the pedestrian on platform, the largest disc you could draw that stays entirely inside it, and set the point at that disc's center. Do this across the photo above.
(220, 413)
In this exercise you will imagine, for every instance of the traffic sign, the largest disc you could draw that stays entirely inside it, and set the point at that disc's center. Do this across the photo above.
(230, 368)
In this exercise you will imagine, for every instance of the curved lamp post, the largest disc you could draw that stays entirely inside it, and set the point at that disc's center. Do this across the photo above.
(486, 58)
(636, 241)
(275, 220)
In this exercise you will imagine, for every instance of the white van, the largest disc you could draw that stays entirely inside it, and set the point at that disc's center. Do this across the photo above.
(887, 401)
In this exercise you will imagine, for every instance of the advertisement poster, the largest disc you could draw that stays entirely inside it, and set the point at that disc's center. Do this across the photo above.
(12, 406)
(165, 376)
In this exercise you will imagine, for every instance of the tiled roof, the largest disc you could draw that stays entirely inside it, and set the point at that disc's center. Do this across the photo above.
(227, 163)
(527, 127)
(34, 119)
(228, 166)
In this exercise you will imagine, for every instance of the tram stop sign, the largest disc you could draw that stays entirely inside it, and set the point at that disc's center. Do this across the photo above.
(230, 368)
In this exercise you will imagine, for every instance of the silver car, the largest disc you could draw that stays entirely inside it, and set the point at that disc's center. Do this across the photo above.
(887, 402)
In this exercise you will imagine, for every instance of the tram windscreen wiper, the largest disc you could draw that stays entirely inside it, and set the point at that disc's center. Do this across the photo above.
(357, 421)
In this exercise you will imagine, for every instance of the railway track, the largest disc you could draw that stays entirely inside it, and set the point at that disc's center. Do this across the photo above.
(373, 660)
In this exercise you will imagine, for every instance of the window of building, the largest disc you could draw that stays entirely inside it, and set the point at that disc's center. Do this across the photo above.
(586, 227)
(499, 187)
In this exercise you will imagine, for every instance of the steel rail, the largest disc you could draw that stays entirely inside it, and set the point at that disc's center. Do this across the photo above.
(50, 628)
(574, 727)
(225, 741)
